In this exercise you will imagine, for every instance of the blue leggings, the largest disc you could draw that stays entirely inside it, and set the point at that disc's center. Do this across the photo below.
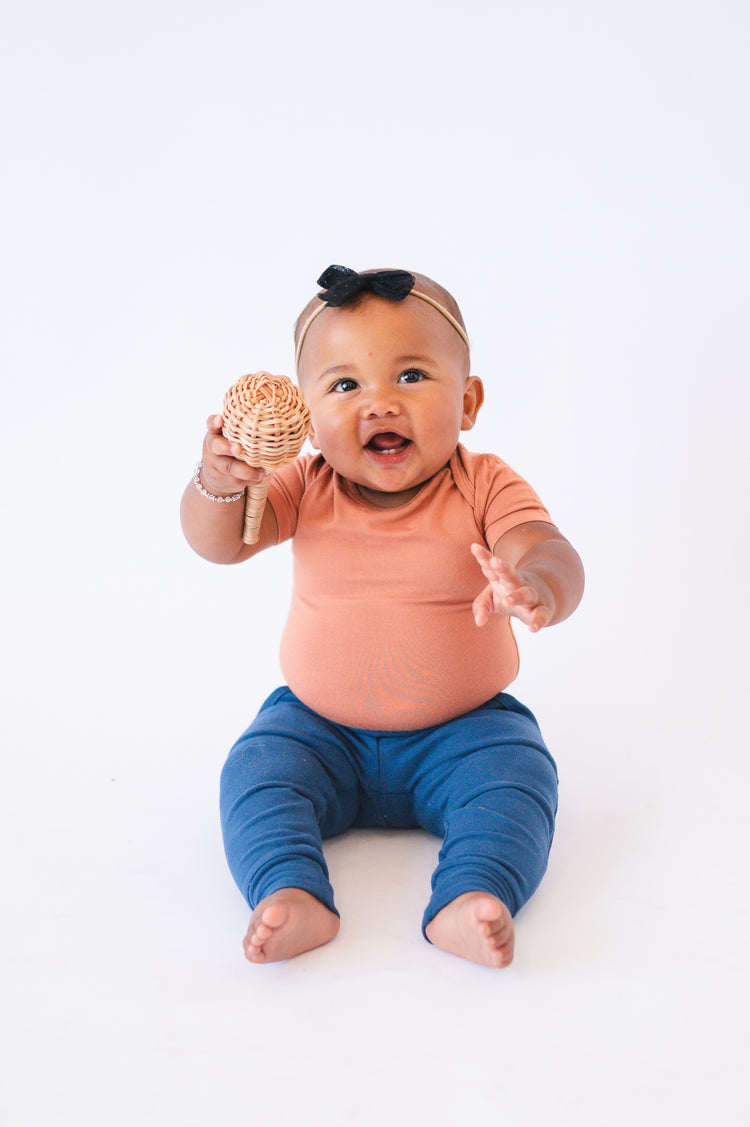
(484, 782)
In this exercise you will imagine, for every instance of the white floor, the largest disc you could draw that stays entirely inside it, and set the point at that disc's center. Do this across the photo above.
(127, 999)
(578, 174)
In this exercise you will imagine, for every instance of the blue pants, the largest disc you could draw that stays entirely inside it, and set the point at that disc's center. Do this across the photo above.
(485, 782)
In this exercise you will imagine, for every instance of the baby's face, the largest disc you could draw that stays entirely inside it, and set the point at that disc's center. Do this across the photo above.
(388, 389)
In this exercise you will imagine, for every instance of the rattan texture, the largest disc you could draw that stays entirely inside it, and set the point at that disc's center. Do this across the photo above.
(268, 417)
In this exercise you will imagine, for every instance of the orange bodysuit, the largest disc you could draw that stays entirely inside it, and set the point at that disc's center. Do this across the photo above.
(380, 633)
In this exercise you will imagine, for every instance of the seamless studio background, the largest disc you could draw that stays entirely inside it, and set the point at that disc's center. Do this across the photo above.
(175, 178)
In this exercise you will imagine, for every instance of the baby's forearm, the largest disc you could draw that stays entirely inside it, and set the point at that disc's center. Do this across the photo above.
(556, 565)
(213, 529)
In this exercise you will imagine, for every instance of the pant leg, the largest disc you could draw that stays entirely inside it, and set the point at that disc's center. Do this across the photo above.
(489, 787)
(288, 783)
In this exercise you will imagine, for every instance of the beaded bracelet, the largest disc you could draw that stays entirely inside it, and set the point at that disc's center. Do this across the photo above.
(212, 496)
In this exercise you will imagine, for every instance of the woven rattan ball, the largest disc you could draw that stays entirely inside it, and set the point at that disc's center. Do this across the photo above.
(267, 415)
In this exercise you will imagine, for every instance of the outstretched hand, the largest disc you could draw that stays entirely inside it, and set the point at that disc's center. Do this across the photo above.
(518, 593)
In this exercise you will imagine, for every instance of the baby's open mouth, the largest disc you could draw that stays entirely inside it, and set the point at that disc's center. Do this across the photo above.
(388, 442)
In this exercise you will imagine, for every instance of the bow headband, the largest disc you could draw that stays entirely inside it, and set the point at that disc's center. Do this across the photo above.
(340, 285)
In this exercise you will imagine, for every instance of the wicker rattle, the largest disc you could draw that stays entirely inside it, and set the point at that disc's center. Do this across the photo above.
(267, 415)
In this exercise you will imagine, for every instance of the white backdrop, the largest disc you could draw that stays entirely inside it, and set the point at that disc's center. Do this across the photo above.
(176, 176)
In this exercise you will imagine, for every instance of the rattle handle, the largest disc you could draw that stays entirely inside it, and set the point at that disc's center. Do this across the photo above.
(255, 503)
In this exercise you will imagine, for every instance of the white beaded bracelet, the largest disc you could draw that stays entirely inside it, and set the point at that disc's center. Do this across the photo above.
(212, 496)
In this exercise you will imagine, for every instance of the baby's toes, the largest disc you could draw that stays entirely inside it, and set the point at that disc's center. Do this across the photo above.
(503, 935)
(274, 916)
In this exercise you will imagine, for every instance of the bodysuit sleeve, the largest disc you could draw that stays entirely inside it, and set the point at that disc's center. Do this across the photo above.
(285, 492)
(501, 498)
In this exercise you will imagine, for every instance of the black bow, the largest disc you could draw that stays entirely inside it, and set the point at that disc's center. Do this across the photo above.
(342, 284)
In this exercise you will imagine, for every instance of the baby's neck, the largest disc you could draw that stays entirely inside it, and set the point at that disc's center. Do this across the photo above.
(389, 500)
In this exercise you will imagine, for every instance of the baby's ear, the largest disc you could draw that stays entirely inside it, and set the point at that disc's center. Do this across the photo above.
(473, 400)
(312, 439)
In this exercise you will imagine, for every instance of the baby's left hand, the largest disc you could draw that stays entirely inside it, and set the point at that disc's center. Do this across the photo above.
(518, 593)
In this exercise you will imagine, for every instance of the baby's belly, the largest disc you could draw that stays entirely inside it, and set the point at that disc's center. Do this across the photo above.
(395, 666)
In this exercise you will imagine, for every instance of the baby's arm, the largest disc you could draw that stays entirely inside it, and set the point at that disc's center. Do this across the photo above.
(534, 574)
(212, 528)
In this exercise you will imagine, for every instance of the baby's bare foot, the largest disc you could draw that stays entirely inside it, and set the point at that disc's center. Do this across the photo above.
(287, 923)
(476, 926)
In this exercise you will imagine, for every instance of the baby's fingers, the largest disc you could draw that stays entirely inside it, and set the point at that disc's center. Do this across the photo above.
(224, 470)
(534, 617)
(521, 597)
(483, 606)
(494, 569)
(216, 442)
(540, 617)
(484, 558)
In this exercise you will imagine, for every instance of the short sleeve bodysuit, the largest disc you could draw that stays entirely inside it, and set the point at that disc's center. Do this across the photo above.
(380, 633)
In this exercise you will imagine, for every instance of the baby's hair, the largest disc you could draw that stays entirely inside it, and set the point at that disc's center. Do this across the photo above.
(427, 286)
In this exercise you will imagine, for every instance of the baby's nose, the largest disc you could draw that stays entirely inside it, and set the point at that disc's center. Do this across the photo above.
(382, 401)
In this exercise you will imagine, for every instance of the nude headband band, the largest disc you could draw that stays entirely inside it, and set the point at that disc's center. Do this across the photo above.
(412, 293)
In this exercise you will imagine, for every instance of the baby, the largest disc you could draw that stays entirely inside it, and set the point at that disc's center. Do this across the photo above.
(411, 556)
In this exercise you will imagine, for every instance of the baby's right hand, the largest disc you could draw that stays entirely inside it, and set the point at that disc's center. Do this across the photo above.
(222, 473)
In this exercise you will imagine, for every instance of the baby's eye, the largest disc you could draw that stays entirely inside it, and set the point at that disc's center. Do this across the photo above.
(345, 385)
(411, 375)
